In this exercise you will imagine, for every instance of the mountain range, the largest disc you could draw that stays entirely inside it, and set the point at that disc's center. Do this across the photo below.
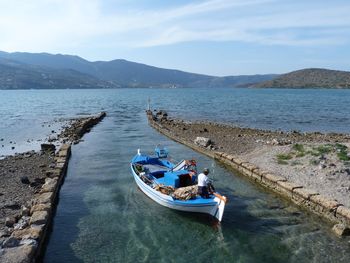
(22, 70)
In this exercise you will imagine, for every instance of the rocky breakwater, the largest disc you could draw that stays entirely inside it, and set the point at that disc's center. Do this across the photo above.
(75, 131)
(243, 148)
(30, 184)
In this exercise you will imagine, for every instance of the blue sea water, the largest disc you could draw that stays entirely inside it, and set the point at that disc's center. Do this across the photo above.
(103, 217)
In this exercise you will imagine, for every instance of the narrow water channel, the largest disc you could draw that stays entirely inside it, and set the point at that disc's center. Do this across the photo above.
(103, 217)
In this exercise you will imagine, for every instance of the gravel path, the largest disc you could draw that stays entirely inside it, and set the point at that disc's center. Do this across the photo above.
(31, 167)
(22, 175)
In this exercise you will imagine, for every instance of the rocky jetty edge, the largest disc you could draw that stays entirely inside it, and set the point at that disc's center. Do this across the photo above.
(234, 146)
(30, 184)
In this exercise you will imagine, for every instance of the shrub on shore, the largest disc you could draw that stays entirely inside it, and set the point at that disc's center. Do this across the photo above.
(300, 150)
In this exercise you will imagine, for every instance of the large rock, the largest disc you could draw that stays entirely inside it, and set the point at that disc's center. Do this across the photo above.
(203, 141)
(44, 198)
(341, 230)
(40, 207)
(28, 233)
(23, 254)
(49, 186)
(39, 218)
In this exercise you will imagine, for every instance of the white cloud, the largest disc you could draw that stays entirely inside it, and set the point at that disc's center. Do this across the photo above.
(62, 24)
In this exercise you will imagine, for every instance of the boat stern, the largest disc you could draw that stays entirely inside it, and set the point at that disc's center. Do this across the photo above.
(221, 202)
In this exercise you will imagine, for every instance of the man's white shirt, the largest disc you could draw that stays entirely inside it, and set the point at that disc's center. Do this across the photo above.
(203, 180)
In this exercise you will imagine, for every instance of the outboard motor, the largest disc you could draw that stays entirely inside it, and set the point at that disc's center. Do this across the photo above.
(161, 152)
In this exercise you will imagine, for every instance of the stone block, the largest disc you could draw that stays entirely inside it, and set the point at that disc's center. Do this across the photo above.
(273, 178)
(259, 172)
(39, 217)
(55, 173)
(49, 180)
(255, 176)
(230, 157)
(63, 153)
(327, 204)
(49, 186)
(304, 193)
(224, 155)
(237, 160)
(40, 207)
(27, 233)
(343, 212)
(60, 165)
(23, 254)
(250, 167)
(286, 188)
(288, 185)
(218, 154)
(341, 230)
(242, 167)
(44, 198)
(60, 159)
(65, 147)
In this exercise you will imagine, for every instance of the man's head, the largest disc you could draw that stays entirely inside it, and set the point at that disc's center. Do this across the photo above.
(206, 171)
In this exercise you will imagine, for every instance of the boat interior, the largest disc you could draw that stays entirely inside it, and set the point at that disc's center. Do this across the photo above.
(161, 171)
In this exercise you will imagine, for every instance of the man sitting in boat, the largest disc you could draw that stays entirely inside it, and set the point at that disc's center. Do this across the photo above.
(204, 185)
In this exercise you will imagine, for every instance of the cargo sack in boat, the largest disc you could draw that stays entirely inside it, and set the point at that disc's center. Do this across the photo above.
(186, 193)
(167, 190)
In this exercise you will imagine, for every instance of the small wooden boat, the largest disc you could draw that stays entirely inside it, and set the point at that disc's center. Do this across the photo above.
(174, 185)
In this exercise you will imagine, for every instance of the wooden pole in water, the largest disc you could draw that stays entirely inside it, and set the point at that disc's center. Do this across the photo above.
(149, 104)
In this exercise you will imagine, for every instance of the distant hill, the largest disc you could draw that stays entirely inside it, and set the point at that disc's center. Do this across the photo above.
(123, 73)
(14, 75)
(236, 81)
(309, 78)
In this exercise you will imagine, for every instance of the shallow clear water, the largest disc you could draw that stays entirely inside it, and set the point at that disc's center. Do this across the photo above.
(103, 217)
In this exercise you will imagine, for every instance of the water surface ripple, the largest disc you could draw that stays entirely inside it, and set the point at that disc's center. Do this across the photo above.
(103, 217)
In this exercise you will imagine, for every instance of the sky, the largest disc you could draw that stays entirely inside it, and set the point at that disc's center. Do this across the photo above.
(214, 37)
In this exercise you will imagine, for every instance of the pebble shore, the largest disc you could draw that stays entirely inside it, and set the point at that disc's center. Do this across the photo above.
(29, 188)
(284, 162)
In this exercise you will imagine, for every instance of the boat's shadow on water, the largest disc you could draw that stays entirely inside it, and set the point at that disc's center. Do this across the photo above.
(201, 218)
(237, 217)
